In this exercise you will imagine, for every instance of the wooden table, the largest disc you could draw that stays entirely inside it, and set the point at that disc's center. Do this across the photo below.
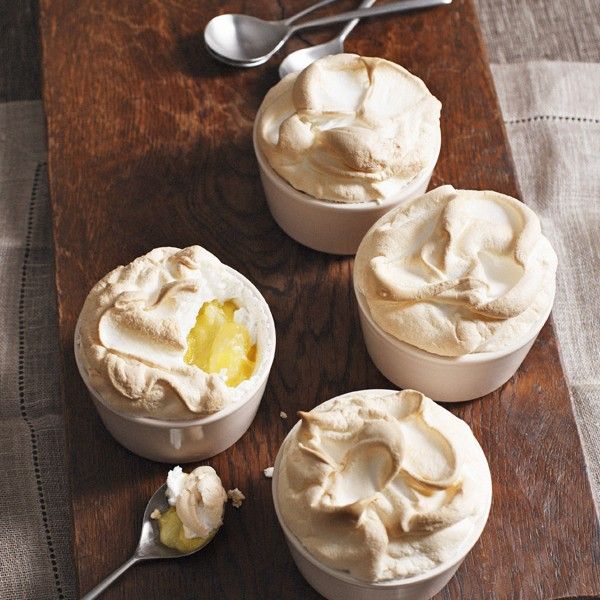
(149, 145)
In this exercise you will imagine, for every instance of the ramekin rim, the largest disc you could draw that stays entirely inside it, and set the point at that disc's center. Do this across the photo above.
(226, 411)
(473, 357)
(465, 548)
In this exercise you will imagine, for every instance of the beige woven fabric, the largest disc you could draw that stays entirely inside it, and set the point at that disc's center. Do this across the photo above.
(552, 115)
(35, 535)
(525, 30)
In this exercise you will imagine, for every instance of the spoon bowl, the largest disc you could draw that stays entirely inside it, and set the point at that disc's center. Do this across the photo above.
(300, 59)
(245, 39)
(234, 63)
(149, 546)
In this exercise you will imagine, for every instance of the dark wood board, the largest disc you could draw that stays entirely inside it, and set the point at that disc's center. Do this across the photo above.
(150, 145)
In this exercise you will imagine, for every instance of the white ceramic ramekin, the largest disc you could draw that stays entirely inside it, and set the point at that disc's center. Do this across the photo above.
(442, 378)
(338, 585)
(186, 440)
(333, 227)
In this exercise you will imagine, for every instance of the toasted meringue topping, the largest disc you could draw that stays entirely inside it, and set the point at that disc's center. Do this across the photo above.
(133, 333)
(457, 271)
(199, 500)
(383, 485)
(350, 128)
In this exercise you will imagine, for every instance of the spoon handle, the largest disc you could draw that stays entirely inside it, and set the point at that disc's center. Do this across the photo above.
(350, 26)
(306, 11)
(392, 7)
(101, 587)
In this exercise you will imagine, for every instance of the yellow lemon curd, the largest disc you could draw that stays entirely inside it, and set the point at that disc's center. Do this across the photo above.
(172, 535)
(216, 343)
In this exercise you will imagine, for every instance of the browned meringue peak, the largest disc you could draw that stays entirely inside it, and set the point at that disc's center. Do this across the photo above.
(133, 333)
(383, 485)
(199, 499)
(457, 271)
(350, 128)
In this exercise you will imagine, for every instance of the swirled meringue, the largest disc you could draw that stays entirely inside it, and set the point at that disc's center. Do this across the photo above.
(383, 484)
(199, 500)
(457, 271)
(350, 128)
(132, 332)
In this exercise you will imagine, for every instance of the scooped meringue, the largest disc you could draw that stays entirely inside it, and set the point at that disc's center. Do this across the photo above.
(350, 128)
(457, 271)
(199, 500)
(133, 331)
(382, 484)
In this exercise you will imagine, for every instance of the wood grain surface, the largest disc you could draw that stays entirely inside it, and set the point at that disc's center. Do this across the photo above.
(150, 145)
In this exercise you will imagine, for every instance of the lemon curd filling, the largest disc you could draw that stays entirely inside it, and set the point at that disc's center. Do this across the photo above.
(216, 343)
(172, 534)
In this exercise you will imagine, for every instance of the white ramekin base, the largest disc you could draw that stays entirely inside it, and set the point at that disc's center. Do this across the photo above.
(332, 227)
(442, 378)
(333, 588)
(176, 441)
(180, 442)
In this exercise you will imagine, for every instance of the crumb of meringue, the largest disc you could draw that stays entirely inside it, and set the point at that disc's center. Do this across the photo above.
(268, 472)
(236, 497)
(283, 415)
(155, 514)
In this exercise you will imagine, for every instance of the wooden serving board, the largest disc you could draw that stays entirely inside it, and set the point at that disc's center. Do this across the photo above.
(150, 145)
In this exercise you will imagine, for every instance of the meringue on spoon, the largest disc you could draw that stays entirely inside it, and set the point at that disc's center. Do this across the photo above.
(188, 512)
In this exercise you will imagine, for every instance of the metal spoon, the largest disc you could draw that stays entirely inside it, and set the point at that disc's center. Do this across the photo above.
(248, 42)
(288, 21)
(149, 547)
(300, 59)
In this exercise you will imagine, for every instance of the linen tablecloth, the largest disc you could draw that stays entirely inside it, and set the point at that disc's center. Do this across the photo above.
(552, 116)
(35, 561)
(553, 121)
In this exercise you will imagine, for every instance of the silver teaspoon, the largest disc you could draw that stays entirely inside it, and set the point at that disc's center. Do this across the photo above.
(288, 21)
(300, 59)
(149, 547)
(248, 42)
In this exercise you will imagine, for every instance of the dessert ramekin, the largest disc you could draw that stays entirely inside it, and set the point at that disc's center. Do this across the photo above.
(442, 378)
(334, 584)
(332, 227)
(183, 441)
